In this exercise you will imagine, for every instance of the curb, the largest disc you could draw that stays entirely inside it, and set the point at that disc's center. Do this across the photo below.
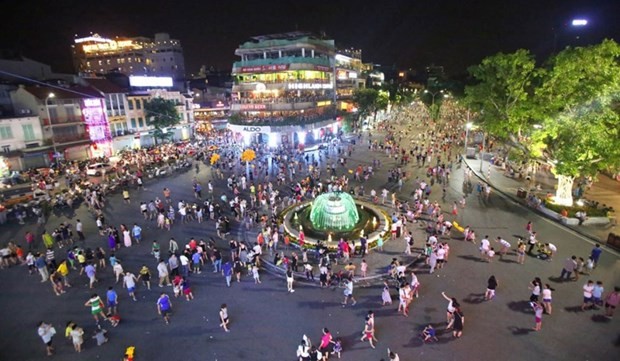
(518, 201)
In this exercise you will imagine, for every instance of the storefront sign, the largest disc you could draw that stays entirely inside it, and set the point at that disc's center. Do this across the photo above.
(301, 86)
(259, 68)
(252, 106)
(322, 68)
(249, 128)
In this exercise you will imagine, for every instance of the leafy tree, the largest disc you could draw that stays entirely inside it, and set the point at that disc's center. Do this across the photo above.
(366, 100)
(577, 104)
(502, 96)
(161, 114)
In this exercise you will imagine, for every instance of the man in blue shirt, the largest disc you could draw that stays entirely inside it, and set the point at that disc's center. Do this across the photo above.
(137, 232)
(227, 272)
(164, 307)
(112, 300)
(596, 254)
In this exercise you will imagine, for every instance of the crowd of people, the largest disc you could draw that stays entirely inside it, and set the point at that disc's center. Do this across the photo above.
(248, 203)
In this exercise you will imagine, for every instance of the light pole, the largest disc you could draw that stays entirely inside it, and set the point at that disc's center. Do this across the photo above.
(49, 119)
(468, 126)
(482, 152)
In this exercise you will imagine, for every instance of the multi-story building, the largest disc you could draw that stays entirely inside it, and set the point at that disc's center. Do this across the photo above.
(139, 129)
(350, 76)
(284, 89)
(73, 118)
(160, 56)
(21, 139)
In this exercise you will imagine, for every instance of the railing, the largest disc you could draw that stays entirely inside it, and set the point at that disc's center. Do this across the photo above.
(278, 121)
(280, 100)
(62, 120)
(68, 138)
(283, 60)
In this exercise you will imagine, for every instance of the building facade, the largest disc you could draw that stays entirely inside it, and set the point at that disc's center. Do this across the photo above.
(73, 119)
(158, 56)
(21, 138)
(139, 133)
(284, 89)
(350, 76)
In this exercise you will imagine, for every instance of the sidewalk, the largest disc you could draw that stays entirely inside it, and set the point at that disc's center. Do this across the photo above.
(605, 191)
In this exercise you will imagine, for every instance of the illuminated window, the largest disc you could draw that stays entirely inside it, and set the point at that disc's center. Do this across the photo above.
(100, 62)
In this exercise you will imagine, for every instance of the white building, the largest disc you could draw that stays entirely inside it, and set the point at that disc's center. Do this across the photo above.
(20, 140)
(160, 56)
(140, 133)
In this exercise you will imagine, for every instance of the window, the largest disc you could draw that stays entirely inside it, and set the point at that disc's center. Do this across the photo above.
(130, 104)
(138, 103)
(140, 122)
(133, 123)
(6, 132)
(28, 132)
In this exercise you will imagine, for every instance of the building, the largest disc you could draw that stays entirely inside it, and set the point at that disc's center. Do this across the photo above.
(160, 56)
(140, 133)
(350, 76)
(21, 141)
(73, 119)
(284, 89)
(115, 104)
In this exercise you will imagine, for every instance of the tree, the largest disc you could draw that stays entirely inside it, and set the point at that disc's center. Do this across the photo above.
(502, 97)
(578, 105)
(366, 100)
(161, 114)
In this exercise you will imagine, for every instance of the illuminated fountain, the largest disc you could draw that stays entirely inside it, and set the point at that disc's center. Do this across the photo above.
(334, 211)
(332, 216)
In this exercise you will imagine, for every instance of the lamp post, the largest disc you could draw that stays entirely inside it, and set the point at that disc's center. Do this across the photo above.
(49, 118)
(468, 126)
(482, 153)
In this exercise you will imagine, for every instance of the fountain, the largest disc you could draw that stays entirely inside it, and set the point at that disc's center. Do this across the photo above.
(334, 211)
(332, 216)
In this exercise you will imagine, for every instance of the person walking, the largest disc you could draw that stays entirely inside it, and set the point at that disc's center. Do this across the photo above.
(611, 302)
(96, 307)
(224, 317)
(348, 293)
(547, 298)
(227, 272)
(112, 301)
(491, 286)
(538, 312)
(129, 282)
(164, 275)
(367, 333)
(459, 322)
(570, 264)
(588, 302)
(77, 337)
(386, 298)
(47, 332)
(289, 280)
(164, 307)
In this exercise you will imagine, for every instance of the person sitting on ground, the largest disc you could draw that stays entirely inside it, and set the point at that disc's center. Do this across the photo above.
(429, 334)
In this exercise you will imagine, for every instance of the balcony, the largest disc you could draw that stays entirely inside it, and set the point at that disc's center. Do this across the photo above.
(283, 60)
(302, 119)
(70, 138)
(62, 121)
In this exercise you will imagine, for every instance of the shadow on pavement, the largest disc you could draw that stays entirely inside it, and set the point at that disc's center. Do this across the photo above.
(474, 298)
(600, 319)
(520, 331)
(574, 309)
(471, 258)
(520, 306)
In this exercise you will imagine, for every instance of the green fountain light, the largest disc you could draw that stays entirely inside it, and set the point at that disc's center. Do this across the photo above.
(334, 211)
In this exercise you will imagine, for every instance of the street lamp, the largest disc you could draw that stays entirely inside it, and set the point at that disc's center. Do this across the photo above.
(433, 94)
(49, 119)
(468, 126)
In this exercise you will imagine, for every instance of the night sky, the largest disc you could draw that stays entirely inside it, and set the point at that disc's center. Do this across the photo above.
(404, 33)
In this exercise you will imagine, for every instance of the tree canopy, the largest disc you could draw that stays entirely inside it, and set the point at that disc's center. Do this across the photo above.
(502, 95)
(161, 114)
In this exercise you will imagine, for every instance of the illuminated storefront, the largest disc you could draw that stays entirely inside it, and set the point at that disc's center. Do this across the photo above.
(97, 126)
